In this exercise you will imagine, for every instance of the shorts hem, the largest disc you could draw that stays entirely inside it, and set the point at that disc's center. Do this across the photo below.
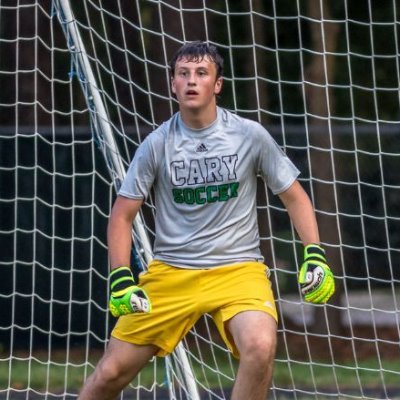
(163, 348)
(227, 316)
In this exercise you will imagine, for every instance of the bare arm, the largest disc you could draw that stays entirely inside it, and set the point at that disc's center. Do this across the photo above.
(301, 212)
(119, 232)
(316, 280)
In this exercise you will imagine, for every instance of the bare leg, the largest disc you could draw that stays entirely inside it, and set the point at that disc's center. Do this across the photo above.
(254, 333)
(120, 363)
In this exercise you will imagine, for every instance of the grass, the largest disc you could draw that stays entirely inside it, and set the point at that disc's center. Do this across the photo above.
(344, 378)
(57, 375)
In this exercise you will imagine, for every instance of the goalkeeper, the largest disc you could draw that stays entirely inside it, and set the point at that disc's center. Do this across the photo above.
(203, 164)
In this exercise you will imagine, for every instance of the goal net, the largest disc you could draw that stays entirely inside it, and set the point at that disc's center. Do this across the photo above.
(83, 83)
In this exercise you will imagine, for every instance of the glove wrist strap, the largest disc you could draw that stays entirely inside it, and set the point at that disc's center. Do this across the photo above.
(121, 278)
(314, 252)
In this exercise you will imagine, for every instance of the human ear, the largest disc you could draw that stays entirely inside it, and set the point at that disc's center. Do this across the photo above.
(173, 85)
(218, 85)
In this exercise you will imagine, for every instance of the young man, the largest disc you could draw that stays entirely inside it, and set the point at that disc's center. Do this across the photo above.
(203, 164)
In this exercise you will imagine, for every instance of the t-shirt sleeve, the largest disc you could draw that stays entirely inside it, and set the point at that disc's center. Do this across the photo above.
(141, 172)
(272, 163)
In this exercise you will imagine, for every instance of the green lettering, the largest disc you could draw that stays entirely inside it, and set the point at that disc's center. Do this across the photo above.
(197, 194)
(206, 194)
(188, 195)
(234, 186)
(177, 193)
(209, 190)
(223, 192)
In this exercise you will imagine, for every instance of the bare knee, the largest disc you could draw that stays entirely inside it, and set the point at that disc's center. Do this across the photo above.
(106, 378)
(106, 382)
(121, 363)
(259, 350)
(254, 334)
(108, 372)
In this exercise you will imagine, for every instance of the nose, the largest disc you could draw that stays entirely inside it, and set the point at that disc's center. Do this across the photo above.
(192, 79)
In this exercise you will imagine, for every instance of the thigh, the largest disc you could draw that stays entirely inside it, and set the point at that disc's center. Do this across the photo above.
(123, 358)
(119, 365)
(253, 331)
(240, 289)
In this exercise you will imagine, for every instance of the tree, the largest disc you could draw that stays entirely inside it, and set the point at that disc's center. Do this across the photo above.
(320, 104)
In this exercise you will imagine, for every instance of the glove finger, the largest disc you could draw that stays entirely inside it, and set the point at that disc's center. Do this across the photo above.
(113, 310)
(304, 277)
(118, 309)
(323, 293)
(316, 298)
(140, 302)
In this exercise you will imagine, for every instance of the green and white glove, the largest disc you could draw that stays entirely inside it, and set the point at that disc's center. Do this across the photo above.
(315, 277)
(126, 297)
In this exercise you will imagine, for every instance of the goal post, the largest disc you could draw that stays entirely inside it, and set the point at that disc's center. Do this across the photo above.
(103, 130)
(100, 121)
(83, 83)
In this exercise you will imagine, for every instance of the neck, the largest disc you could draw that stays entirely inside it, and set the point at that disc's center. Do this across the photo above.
(198, 119)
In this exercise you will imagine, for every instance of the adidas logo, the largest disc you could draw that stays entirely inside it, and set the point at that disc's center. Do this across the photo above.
(268, 304)
(201, 148)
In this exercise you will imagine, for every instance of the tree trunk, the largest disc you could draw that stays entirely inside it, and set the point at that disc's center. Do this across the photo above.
(319, 107)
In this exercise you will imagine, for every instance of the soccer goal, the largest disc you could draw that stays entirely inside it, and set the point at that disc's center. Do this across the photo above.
(83, 83)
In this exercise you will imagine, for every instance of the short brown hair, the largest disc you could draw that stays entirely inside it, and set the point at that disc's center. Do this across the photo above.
(196, 51)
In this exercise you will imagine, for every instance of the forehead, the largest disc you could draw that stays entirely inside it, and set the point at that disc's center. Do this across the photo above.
(192, 62)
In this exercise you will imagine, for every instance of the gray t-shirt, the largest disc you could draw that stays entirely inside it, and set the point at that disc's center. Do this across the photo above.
(205, 184)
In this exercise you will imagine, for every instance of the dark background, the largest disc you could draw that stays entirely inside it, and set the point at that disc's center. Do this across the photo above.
(330, 100)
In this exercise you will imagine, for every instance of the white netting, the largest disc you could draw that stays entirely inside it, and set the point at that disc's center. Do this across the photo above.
(325, 83)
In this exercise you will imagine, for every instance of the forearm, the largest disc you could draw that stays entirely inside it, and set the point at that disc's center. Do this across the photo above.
(119, 238)
(301, 213)
(126, 296)
(304, 221)
(315, 277)
(119, 231)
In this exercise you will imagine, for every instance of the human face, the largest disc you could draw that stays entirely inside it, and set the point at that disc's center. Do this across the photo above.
(195, 84)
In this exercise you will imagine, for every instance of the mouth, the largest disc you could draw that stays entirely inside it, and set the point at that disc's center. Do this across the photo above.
(191, 93)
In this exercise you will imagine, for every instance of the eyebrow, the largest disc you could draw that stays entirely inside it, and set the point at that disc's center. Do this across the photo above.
(187, 68)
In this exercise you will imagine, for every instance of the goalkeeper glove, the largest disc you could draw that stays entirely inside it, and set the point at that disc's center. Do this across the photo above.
(126, 297)
(315, 277)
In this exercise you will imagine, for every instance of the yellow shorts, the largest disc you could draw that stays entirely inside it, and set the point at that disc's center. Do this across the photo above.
(181, 296)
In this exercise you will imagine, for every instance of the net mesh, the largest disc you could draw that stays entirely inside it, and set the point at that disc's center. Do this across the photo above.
(322, 77)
